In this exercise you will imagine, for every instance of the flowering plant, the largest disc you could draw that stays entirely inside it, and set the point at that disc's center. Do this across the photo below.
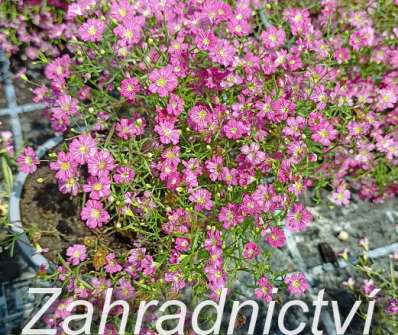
(33, 28)
(372, 281)
(194, 127)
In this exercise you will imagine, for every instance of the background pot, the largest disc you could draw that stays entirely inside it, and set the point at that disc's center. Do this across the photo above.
(29, 253)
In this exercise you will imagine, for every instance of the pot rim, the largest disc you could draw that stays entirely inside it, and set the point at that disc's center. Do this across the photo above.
(29, 253)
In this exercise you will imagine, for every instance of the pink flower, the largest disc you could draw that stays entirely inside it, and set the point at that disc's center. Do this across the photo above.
(175, 105)
(99, 187)
(202, 199)
(205, 39)
(392, 304)
(129, 31)
(58, 68)
(265, 196)
(199, 117)
(62, 308)
(129, 88)
(387, 98)
(368, 287)
(298, 218)
(76, 253)
(264, 292)
(341, 196)
(65, 166)
(148, 266)
(176, 279)
(71, 185)
(67, 104)
(136, 256)
(182, 244)
(275, 237)
(362, 38)
(82, 147)
(298, 19)
(296, 283)
(249, 206)
(163, 81)
(223, 53)
(125, 129)
(172, 154)
(282, 108)
(214, 167)
(167, 133)
(124, 290)
(121, 9)
(324, 133)
(235, 129)
(273, 37)
(230, 216)
(92, 30)
(251, 250)
(28, 160)
(101, 163)
(341, 55)
(94, 214)
(112, 265)
(230, 176)
(253, 153)
(123, 175)
(100, 285)
(60, 121)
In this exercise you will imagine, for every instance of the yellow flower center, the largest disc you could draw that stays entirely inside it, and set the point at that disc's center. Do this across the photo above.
(65, 166)
(161, 82)
(95, 213)
(92, 31)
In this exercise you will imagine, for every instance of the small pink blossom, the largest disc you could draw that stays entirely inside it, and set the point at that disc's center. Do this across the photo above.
(163, 81)
(28, 160)
(298, 218)
(112, 265)
(123, 175)
(76, 253)
(275, 237)
(202, 199)
(273, 37)
(64, 166)
(176, 279)
(94, 214)
(341, 196)
(82, 148)
(182, 244)
(296, 283)
(264, 290)
(98, 187)
(101, 163)
(324, 133)
(392, 303)
(235, 129)
(251, 250)
(129, 88)
(168, 134)
(92, 30)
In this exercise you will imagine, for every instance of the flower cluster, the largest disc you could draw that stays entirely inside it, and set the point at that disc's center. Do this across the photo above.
(200, 124)
(29, 28)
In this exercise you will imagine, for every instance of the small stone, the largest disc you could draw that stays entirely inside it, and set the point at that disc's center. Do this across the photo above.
(343, 236)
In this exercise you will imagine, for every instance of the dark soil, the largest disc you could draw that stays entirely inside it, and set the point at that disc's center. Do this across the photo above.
(52, 219)
(35, 128)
